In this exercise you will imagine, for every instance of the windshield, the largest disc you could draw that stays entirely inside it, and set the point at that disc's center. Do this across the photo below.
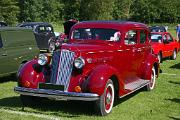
(156, 37)
(95, 34)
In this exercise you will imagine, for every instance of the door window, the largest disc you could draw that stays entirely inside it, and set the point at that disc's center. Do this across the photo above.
(142, 37)
(131, 37)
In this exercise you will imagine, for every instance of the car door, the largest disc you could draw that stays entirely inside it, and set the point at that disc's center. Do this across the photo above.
(18, 46)
(3, 55)
(142, 50)
(132, 55)
(167, 49)
(172, 44)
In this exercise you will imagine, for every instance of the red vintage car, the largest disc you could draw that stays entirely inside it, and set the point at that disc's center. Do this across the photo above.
(164, 45)
(103, 60)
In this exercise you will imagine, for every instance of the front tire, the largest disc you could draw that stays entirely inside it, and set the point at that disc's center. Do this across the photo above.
(105, 103)
(151, 85)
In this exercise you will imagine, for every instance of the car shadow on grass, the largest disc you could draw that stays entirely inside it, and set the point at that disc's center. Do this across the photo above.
(173, 82)
(121, 100)
(176, 66)
(174, 118)
(12, 102)
(67, 109)
(176, 100)
(7, 78)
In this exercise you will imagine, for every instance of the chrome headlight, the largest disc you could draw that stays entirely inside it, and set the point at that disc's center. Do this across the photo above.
(79, 62)
(43, 59)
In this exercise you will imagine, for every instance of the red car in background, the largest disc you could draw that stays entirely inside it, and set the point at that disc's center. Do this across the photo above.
(164, 45)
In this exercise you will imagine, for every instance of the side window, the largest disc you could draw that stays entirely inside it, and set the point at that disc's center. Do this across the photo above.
(1, 43)
(142, 36)
(130, 37)
(41, 29)
(169, 38)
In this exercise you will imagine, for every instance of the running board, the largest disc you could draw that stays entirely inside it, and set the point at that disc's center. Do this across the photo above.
(136, 84)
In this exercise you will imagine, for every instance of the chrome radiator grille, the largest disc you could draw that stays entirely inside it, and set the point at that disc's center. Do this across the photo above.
(62, 65)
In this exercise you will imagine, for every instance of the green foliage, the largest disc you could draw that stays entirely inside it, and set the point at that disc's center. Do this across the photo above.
(9, 11)
(122, 9)
(148, 11)
(71, 9)
(40, 10)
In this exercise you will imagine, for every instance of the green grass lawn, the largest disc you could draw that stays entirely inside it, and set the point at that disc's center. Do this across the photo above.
(163, 103)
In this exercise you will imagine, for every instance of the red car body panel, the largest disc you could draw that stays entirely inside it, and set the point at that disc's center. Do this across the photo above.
(165, 48)
(103, 60)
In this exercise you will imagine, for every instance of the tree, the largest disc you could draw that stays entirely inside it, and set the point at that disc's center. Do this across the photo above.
(97, 9)
(9, 11)
(122, 9)
(71, 9)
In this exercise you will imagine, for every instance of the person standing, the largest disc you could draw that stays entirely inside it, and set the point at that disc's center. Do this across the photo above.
(178, 32)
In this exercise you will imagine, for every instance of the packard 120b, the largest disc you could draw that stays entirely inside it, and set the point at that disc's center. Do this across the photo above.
(102, 60)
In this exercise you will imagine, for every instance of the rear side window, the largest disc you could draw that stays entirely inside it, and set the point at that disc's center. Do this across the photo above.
(131, 37)
(1, 44)
(142, 37)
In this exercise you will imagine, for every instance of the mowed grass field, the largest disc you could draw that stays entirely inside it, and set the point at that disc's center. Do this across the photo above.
(163, 103)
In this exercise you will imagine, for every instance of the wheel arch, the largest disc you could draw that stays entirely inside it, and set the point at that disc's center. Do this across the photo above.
(156, 66)
(98, 78)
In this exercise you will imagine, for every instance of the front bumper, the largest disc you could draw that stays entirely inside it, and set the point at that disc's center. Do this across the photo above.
(56, 94)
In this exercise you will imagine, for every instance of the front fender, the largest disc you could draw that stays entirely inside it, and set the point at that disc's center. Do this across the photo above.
(96, 81)
(30, 74)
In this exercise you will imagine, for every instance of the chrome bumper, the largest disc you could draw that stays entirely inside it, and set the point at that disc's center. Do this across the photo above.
(56, 94)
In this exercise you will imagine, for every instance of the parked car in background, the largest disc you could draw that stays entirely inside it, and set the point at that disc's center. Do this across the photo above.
(102, 60)
(62, 37)
(3, 24)
(43, 33)
(158, 28)
(164, 45)
(17, 46)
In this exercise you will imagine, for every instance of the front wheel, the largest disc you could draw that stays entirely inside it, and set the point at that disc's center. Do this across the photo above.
(151, 85)
(174, 55)
(105, 103)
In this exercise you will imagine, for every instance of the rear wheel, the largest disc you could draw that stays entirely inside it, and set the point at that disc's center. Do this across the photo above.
(151, 85)
(174, 55)
(105, 103)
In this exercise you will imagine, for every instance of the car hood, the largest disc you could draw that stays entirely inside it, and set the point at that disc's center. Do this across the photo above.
(86, 48)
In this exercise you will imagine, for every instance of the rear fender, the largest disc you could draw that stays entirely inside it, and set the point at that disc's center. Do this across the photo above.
(149, 63)
(97, 79)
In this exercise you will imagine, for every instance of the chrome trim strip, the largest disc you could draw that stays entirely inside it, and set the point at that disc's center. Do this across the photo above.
(56, 94)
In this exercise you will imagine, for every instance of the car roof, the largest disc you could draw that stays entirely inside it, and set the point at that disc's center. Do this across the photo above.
(109, 24)
(34, 23)
(14, 28)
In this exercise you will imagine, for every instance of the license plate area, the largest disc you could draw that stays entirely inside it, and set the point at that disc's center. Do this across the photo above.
(51, 86)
